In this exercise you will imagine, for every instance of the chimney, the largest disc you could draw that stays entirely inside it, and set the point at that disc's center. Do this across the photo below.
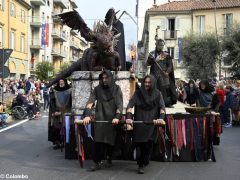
(154, 4)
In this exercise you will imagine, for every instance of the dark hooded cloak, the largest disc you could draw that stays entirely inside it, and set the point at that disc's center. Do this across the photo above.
(109, 101)
(205, 95)
(60, 101)
(147, 106)
(148, 98)
(106, 93)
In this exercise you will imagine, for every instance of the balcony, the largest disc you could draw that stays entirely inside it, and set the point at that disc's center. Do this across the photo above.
(35, 44)
(73, 59)
(56, 11)
(56, 52)
(38, 2)
(74, 45)
(61, 3)
(36, 22)
(74, 32)
(74, 4)
(55, 17)
(57, 35)
(170, 34)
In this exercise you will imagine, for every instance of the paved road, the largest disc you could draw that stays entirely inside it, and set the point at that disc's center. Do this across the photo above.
(25, 150)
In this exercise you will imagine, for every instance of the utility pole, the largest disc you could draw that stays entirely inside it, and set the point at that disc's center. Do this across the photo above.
(3, 74)
(219, 57)
(2, 63)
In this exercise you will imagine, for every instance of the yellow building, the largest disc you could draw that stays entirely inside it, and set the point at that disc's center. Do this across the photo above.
(14, 33)
(224, 13)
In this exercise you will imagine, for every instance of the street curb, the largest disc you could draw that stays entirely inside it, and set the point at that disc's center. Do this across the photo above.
(14, 125)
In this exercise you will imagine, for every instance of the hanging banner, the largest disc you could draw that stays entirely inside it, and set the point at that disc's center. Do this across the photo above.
(180, 46)
(47, 34)
(43, 35)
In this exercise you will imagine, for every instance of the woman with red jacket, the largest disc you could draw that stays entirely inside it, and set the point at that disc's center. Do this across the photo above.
(221, 93)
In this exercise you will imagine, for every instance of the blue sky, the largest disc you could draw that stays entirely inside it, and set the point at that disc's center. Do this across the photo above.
(92, 10)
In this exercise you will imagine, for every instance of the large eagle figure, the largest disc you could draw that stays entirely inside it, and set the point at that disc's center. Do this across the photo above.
(107, 47)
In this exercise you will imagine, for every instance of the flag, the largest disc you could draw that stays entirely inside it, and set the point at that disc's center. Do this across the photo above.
(43, 35)
(133, 52)
(46, 34)
(180, 46)
(133, 55)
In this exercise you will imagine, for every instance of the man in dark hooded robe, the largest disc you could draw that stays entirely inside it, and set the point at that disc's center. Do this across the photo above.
(60, 103)
(149, 106)
(108, 108)
(162, 69)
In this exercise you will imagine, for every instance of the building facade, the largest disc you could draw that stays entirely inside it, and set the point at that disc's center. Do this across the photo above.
(179, 18)
(40, 25)
(14, 35)
(141, 7)
(56, 42)
(66, 44)
(34, 32)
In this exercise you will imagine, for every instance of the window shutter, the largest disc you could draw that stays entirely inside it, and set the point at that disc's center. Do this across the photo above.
(177, 25)
(163, 24)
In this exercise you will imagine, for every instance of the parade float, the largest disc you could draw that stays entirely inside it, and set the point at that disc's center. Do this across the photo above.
(185, 137)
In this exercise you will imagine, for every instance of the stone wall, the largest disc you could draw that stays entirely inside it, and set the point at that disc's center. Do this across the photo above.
(83, 82)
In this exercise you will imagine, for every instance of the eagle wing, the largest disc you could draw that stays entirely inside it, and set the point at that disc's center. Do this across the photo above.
(73, 20)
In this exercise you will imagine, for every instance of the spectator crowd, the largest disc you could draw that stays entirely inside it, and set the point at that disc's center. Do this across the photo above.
(28, 93)
(221, 96)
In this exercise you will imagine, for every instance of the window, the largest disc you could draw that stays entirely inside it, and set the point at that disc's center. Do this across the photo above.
(13, 40)
(171, 29)
(13, 10)
(1, 37)
(13, 75)
(2, 5)
(228, 21)
(171, 51)
(22, 76)
(22, 43)
(200, 24)
(23, 16)
(43, 58)
(32, 60)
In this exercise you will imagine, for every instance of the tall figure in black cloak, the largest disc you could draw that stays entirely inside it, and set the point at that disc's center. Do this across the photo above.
(60, 103)
(162, 69)
(117, 28)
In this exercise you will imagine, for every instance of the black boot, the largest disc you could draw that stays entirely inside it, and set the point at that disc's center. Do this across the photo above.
(108, 163)
(95, 166)
(140, 170)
